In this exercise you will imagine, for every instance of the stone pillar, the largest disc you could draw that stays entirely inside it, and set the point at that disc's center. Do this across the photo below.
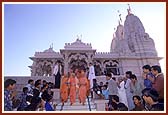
(66, 63)
(33, 69)
(120, 67)
(102, 67)
(52, 66)
(89, 58)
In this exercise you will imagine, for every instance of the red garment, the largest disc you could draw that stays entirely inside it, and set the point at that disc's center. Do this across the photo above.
(159, 85)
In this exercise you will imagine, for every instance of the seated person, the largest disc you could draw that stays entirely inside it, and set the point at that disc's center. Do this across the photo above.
(122, 107)
(105, 92)
(138, 104)
(101, 85)
(116, 105)
(35, 104)
(151, 96)
(48, 98)
(96, 88)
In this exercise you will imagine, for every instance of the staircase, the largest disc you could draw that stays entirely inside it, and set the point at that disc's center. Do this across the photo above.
(77, 106)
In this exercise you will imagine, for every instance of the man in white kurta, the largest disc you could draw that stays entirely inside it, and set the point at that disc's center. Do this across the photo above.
(128, 90)
(122, 92)
(57, 74)
(91, 75)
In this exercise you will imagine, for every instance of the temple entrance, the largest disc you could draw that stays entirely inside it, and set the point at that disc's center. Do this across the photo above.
(77, 64)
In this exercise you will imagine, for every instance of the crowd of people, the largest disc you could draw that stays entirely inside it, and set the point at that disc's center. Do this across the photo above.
(38, 95)
(34, 96)
(128, 93)
(125, 93)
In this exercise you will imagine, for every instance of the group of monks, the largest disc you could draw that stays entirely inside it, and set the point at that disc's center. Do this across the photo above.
(74, 84)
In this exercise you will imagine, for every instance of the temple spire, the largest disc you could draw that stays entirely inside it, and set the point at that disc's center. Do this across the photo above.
(51, 46)
(129, 9)
(79, 37)
(114, 33)
(120, 20)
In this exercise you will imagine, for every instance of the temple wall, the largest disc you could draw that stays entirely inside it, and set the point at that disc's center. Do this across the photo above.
(131, 65)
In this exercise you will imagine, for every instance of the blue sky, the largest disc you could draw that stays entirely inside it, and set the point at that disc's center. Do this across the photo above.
(34, 27)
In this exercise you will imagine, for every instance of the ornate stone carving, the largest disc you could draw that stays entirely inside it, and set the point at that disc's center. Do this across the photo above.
(77, 60)
(111, 66)
(97, 67)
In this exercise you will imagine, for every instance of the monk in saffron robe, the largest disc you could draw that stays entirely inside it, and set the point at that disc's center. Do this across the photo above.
(77, 84)
(73, 85)
(64, 89)
(83, 87)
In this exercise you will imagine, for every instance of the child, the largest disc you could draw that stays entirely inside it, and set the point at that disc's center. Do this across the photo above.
(105, 92)
(47, 98)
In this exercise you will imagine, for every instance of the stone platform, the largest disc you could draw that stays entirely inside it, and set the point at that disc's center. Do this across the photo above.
(76, 106)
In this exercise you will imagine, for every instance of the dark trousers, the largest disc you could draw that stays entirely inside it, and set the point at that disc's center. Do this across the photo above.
(57, 80)
(110, 99)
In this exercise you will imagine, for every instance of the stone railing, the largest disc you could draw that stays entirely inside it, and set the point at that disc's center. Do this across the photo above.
(48, 54)
(106, 55)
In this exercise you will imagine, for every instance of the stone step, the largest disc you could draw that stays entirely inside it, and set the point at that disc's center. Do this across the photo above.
(80, 110)
(76, 106)
(73, 108)
(77, 101)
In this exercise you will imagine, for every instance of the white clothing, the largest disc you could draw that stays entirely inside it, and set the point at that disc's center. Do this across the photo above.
(122, 94)
(129, 94)
(91, 75)
(56, 69)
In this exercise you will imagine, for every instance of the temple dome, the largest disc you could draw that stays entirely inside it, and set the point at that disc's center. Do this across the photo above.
(49, 50)
(133, 24)
(119, 44)
(138, 41)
